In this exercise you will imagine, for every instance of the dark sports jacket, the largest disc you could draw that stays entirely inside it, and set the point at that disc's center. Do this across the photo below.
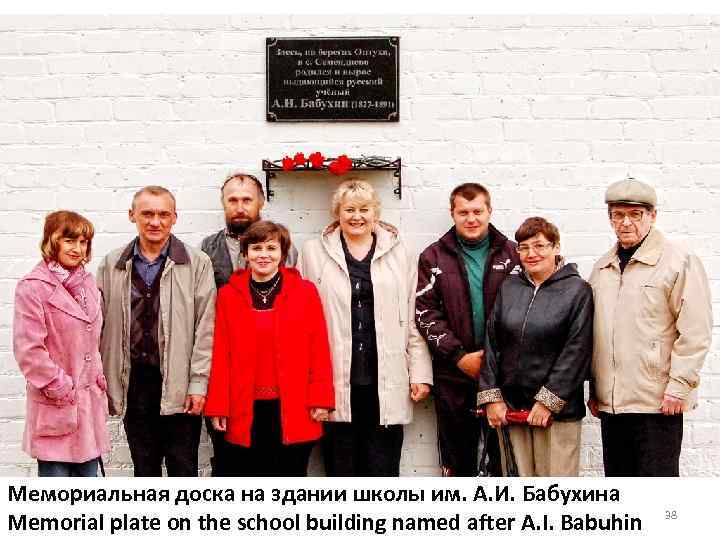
(443, 310)
(539, 344)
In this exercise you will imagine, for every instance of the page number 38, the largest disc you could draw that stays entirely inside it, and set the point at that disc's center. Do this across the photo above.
(671, 514)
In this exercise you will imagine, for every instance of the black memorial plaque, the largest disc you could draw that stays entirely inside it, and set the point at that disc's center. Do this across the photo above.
(332, 79)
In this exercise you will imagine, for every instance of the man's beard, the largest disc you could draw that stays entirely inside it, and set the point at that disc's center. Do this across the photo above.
(238, 228)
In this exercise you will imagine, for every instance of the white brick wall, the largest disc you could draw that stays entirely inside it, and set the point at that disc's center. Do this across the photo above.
(545, 110)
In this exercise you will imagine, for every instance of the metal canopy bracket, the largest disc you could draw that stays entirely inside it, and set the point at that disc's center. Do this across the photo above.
(363, 163)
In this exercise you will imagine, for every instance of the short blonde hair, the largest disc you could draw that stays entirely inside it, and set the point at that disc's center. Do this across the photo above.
(354, 189)
(64, 224)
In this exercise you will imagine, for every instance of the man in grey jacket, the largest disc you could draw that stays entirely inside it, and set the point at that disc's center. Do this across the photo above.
(156, 345)
(242, 199)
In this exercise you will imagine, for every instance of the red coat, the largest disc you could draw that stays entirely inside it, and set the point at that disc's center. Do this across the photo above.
(302, 354)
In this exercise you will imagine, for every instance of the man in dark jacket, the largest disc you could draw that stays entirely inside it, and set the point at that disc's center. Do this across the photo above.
(458, 280)
(242, 198)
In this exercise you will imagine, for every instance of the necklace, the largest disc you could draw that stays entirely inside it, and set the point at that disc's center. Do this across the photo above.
(265, 294)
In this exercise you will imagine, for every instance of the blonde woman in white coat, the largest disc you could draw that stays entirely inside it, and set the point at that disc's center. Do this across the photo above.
(381, 365)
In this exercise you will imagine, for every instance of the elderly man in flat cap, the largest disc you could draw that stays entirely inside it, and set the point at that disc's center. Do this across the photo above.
(652, 330)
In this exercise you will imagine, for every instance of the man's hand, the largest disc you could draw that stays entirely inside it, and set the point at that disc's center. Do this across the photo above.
(672, 405)
(496, 413)
(318, 414)
(219, 423)
(419, 391)
(593, 406)
(194, 404)
(539, 415)
(471, 363)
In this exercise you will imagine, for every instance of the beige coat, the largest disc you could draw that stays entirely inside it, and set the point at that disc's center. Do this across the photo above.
(652, 329)
(403, 357)
(187, 321)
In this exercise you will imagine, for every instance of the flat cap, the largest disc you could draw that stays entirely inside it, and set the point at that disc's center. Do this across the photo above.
(631, 191)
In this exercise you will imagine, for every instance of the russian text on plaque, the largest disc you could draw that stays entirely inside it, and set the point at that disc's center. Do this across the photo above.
(332, 79)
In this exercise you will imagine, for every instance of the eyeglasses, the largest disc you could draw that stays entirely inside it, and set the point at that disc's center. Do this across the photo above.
(635, 216)
(538, 248)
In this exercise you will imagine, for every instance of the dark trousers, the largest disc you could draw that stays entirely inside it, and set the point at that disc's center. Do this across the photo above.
(362, 447)
(220, 460)
(460, 433)
(153, 437)
(641, 444)
(63, 468)
(267, 455)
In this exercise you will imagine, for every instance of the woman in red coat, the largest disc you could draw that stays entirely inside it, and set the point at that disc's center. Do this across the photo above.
(271, 380)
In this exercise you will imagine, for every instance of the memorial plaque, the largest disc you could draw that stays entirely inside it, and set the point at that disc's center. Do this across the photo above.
(332, 79)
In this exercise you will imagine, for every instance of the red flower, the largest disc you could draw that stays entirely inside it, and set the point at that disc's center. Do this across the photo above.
(288, 164)
(299, 158)
(316, 160)
(341, 165)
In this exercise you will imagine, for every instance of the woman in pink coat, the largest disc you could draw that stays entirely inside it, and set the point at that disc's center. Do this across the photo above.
(55, 337)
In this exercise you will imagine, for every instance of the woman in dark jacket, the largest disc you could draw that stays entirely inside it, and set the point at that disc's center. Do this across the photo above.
(538, 350)
(271, 384)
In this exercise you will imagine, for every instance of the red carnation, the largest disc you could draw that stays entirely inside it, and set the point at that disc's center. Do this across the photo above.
(317, 160)
(341, 165)
(288, 164)
(299, 158)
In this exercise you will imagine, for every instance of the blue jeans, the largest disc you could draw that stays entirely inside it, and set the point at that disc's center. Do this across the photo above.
(63, 468)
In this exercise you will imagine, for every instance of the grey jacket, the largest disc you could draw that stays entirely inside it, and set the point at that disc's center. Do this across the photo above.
(187, 320)
(216, 248)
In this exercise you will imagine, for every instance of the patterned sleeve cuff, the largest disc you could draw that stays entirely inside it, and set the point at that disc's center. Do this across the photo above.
(489, 396)
(550, 400)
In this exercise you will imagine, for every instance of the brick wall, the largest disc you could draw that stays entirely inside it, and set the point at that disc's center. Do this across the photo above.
(544, 110)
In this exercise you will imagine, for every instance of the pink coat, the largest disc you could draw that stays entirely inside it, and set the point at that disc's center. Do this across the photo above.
(56, 347)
